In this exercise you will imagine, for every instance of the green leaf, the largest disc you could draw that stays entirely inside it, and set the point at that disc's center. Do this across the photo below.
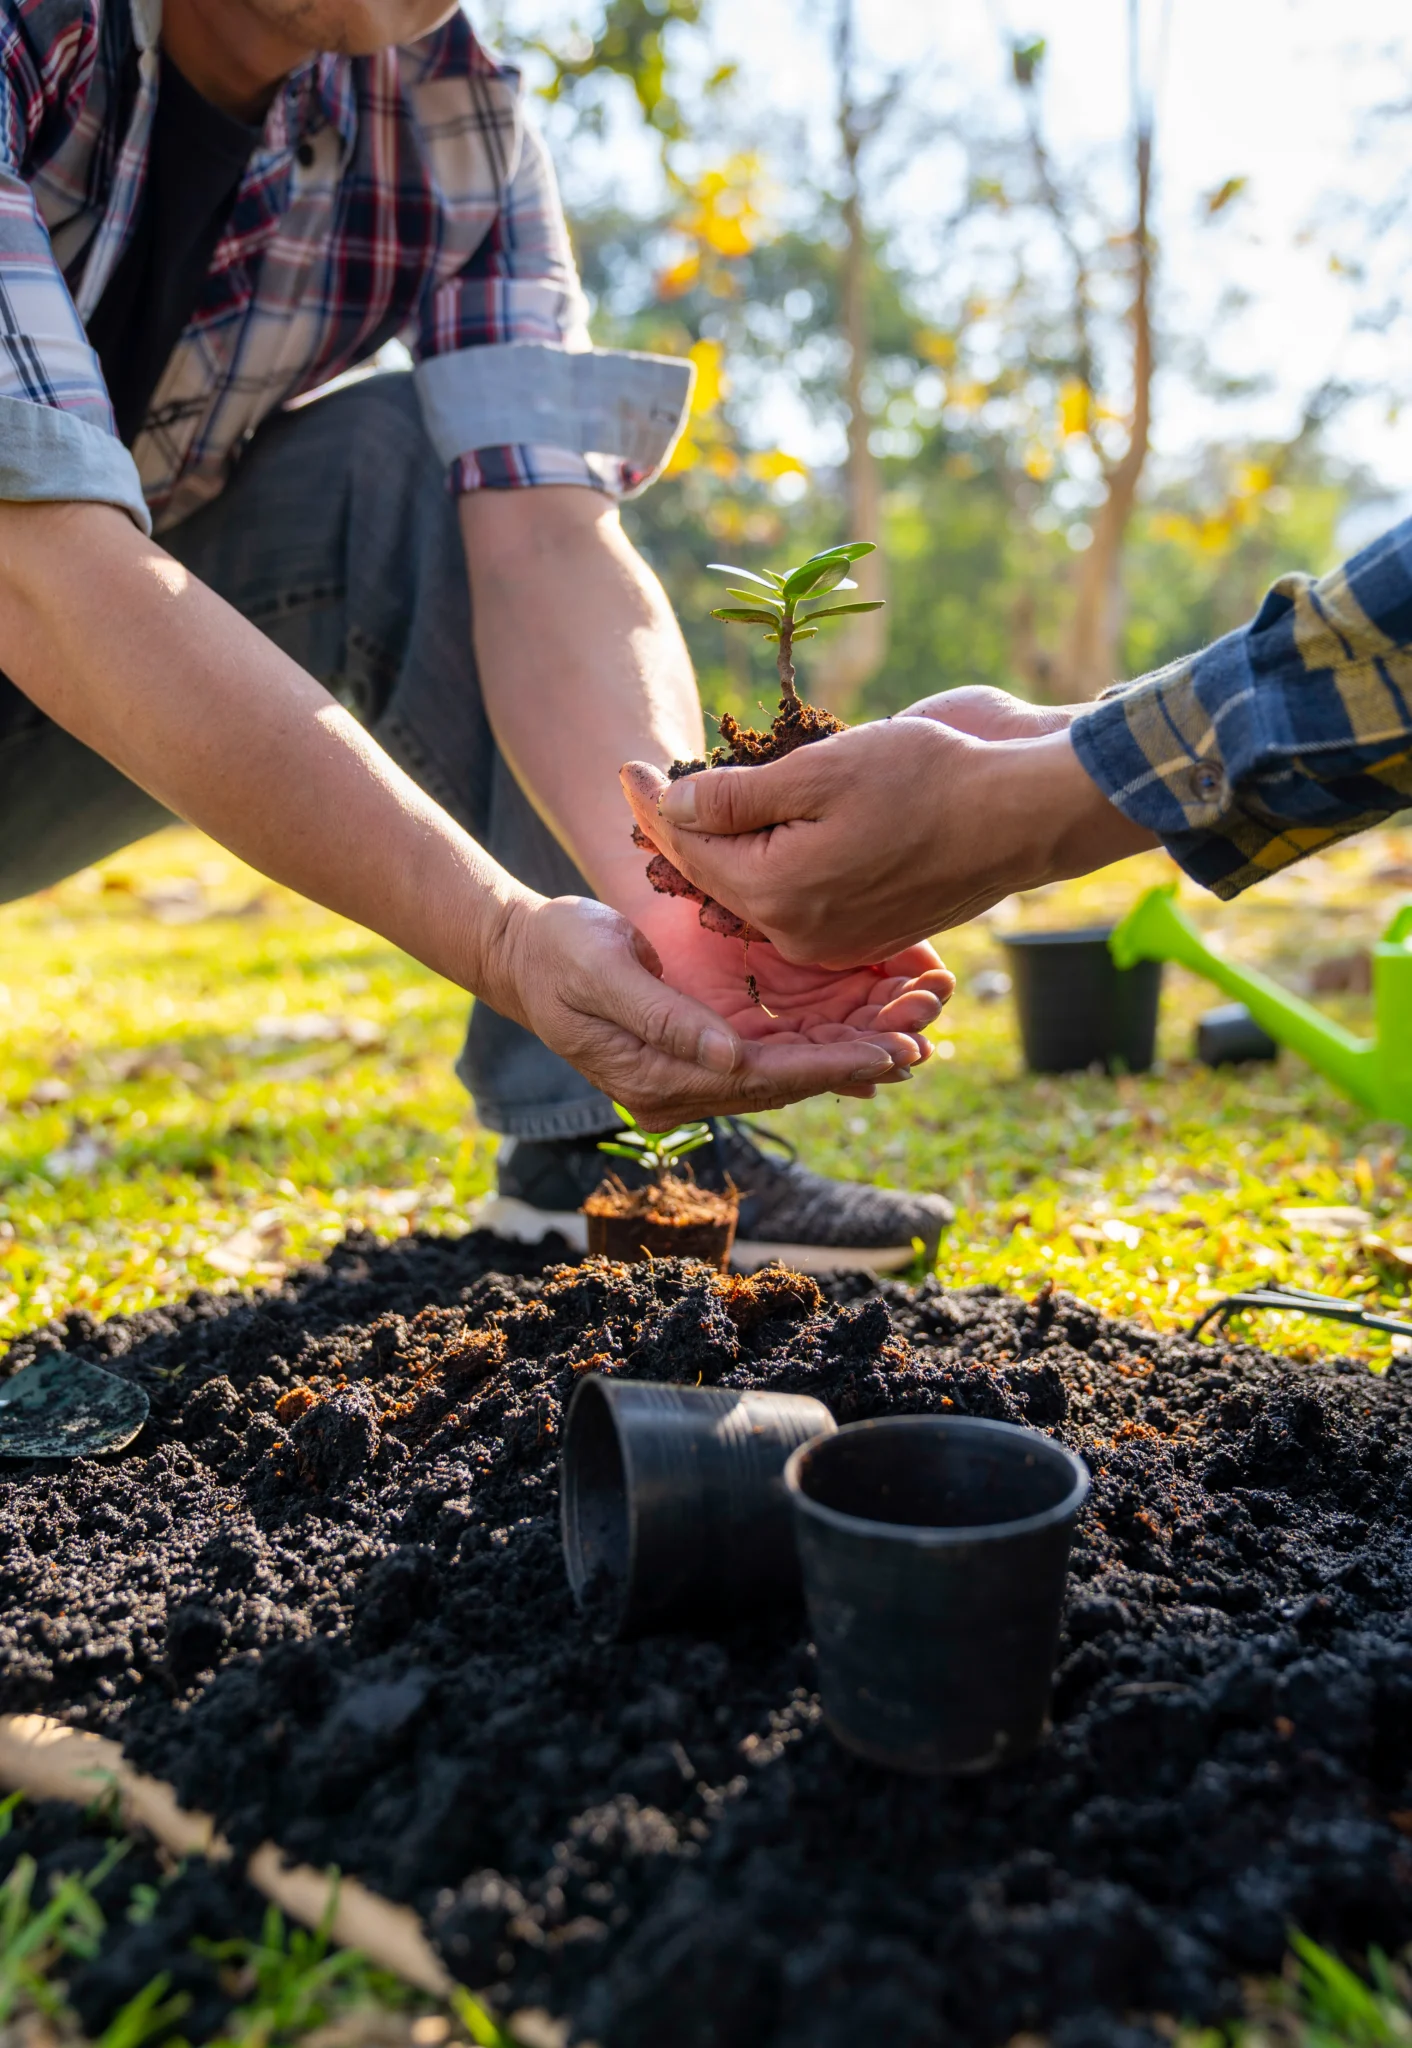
(805, 632)
(836, 611)
(627, 1116)
(769, 581)
(633, 1152)
(738, 615)
(749, 595)
(814, 578)
(849, 549)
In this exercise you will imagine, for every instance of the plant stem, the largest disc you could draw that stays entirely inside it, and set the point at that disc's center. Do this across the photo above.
(784, 660)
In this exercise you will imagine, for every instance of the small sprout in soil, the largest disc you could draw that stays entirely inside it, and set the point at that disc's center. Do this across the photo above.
(656, 1152)
(669, 1216)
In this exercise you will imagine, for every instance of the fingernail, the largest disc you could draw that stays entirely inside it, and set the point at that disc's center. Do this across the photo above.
(677, 803)
(877, 1061)
(717, 1050)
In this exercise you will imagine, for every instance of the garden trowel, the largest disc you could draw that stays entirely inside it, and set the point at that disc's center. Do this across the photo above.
(62, 1407)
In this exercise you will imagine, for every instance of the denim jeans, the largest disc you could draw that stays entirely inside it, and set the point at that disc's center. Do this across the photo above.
(336, 536)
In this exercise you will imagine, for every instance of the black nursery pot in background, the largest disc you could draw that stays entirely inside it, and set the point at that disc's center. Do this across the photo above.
(1076, 1008)
(934, 1551)
(672, 1500)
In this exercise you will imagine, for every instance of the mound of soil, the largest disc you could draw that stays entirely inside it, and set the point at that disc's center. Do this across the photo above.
(322, 1593)
(796, 724)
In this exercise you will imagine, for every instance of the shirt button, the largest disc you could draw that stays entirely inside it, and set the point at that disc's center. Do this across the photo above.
(305, 154)
(1208, 782)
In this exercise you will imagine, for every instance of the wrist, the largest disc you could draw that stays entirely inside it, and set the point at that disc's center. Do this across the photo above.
(1072, 826)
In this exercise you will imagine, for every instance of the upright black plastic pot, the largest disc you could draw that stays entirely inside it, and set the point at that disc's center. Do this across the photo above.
(672, 1500)
(1076, 1009)
(934, 1551)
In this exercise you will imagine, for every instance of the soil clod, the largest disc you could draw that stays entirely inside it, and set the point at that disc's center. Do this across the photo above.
(349, 1629)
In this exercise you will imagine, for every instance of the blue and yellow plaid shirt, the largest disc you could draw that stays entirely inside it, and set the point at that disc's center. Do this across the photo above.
(1279, 739)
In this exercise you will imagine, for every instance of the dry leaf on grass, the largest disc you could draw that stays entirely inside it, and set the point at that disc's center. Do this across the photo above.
(255, 1248)
(1334, 1221)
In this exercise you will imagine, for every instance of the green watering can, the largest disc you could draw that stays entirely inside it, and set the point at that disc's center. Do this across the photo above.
(1375, 1071)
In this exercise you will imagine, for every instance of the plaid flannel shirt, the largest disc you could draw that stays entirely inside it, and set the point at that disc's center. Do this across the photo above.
(1283, 737)
(397, 196)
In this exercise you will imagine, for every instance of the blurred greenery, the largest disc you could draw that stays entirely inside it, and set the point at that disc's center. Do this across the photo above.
(206, 1078)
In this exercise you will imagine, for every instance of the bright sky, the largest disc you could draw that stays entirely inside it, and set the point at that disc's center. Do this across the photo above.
(1277, 91)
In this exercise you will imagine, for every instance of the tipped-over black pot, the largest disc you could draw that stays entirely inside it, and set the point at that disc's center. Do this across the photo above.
(934, 1551)
(672, 1501)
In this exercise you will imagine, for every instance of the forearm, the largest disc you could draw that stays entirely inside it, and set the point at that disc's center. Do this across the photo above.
(127, 651)
(582, 667)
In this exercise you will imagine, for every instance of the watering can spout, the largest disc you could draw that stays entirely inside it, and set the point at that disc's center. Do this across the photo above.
(1376, 1072)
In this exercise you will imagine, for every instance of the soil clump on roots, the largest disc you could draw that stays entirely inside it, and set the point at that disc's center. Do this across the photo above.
(796, 724)
(322, 1594)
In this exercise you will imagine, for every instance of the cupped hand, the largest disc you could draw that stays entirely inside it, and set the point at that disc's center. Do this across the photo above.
(769, 1000)
(590, 986)
(858, 846)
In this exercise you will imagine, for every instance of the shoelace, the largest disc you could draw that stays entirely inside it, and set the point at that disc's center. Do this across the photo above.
(749, 1133)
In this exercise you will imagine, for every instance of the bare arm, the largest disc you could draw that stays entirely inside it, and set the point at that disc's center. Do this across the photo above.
(126, 650)
(139, 660)
(582, 667)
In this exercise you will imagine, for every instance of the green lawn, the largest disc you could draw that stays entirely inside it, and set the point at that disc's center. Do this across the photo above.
(207, 1077)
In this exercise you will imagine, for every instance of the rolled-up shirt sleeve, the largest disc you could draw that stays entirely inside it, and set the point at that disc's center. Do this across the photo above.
(57, 436)
(1278, 740)
(512, 390)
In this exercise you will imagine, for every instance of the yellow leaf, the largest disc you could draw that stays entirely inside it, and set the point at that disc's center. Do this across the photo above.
(680, 277)
(1075, 406)
(768, 468)
(712, 384)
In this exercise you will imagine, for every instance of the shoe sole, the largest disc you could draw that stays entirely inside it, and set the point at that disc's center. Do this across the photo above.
(523, 1224)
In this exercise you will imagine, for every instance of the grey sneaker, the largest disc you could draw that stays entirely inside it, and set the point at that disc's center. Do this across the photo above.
(814, 1224)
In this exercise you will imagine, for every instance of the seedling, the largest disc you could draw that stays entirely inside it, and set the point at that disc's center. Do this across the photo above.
(657, 1152)
(670, 1216)
(775, 599)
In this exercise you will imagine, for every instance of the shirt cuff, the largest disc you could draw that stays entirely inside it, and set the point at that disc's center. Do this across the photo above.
(47, 455)
(621, 411)
(1154, 748)
(517, 467)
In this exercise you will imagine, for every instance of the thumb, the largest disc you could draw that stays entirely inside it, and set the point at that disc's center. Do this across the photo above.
(735, 800)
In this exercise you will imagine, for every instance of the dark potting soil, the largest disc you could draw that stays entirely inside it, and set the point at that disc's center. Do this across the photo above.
(322, 1593)
(796, 724)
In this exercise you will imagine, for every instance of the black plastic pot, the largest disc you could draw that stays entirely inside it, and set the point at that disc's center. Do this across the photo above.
(1076, 1009)
(934, 1550)
(672, 1501)
(1228, 1036)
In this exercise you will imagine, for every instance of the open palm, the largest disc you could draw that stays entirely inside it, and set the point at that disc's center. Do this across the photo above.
(890, 1004)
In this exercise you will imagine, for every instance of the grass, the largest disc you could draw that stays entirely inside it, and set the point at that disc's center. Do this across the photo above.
(288, 1984)
(207, 1077)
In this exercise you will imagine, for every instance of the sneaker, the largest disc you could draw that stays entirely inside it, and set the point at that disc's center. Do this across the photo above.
(786, 1212)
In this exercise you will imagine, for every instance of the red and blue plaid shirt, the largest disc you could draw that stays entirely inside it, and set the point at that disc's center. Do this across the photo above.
(397, 196)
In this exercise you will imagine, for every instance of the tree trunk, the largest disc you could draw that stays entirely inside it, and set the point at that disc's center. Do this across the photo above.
(858, 650)
(1088, 660)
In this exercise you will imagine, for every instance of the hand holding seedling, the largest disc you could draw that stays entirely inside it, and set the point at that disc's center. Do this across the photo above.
(875, 837)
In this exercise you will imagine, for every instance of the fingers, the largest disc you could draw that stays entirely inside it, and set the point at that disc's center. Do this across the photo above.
(735, 800)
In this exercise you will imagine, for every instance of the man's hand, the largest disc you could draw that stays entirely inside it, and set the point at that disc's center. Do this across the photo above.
(865, 843)
(589, 985)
